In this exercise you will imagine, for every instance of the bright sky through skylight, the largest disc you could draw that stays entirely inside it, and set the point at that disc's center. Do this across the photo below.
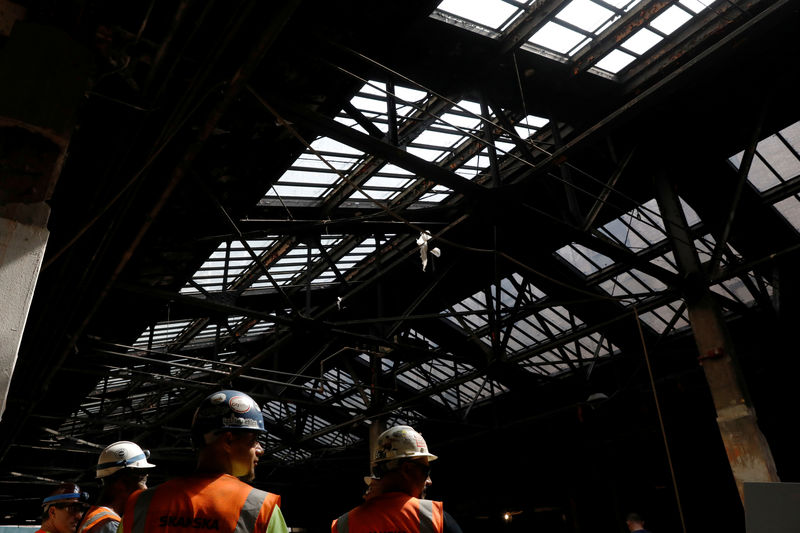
(642, 41)
(670, 20)
(556, 37)
(585, 14)
(491, 13)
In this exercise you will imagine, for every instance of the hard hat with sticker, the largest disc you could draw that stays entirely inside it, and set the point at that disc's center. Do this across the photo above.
(225, 411)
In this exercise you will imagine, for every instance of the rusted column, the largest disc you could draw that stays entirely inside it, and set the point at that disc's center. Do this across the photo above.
(748, 451)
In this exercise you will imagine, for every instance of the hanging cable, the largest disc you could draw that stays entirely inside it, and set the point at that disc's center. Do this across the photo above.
(660, 419)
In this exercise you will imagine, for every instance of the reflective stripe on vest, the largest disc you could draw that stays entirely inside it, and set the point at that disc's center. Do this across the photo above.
(341, 523)
(425, 519)
(250, 511)
(94, 519)
(248, 514)
(140, 510)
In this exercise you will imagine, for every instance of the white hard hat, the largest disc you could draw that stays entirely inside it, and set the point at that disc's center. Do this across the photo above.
(122, 454)
(399, 442)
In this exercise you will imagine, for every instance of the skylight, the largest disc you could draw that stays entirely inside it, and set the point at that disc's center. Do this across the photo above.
(776, 161)
(161, 334)
(572, 27)
(521, 328)
(225, 265)
(309, 180)
(449, 131)
(663, 25)
(585, 260)
(643, 226)
(296, 260)
(672, 316)
(570, 355)
(494, 14)
(457, 397)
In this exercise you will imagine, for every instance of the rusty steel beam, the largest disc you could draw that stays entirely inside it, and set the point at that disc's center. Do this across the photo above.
(535, 15)
(748, 452)
(705, 25)
(629, 24)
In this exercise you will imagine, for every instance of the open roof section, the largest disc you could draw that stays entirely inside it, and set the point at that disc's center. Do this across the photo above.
(602, 36)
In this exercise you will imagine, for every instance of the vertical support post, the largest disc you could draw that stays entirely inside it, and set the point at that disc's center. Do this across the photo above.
(488, 138)
(747, 449)
(391, 113)
(377, 427)
(23, 239)
(44, 75)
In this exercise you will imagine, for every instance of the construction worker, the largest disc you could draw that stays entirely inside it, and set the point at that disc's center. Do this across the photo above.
(122, 469)
(395, 500)
(63, 508)
(225, 430)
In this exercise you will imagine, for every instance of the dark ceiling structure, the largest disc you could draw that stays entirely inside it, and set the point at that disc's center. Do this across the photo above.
(371, 212)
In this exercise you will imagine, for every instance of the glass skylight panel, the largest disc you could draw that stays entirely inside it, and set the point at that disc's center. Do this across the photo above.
(311, 178)
(386, 184)
(736, 289)
(295, 261)
(275, 411)
(671, 19)
(587, 261)
(585, 14)
(385, 364)
(696, 6)
(659, 319)
(261, 327)
(438, 371)
(557, 38)
(615, 61)
(432, 373)
(469, 393)
(490, 13)
(642, 41)
(436, 195)
(582, 351)
(776, 159)
(530, 125)
(161, 334)
(643, 226)
(789, 208)
(225, 265)
(350, 259)
(634, 284)
(413, 334)
(334, 381)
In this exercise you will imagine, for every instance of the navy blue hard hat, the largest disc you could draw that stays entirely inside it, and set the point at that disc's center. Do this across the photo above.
(65, 493)
(226, 410)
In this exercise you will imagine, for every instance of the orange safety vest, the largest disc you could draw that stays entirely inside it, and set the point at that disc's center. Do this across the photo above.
(393, 512)
(95, 517)
(215, 504)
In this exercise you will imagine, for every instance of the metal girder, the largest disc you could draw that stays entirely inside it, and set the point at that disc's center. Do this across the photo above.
(339, 132)
(623, 28)
(526, 25)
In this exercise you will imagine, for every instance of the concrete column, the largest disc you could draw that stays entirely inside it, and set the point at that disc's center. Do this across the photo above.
(748, 451)
(44, 75)
(23, 238)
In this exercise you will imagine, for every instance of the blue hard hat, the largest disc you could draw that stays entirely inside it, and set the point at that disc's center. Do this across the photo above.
(226, 410)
